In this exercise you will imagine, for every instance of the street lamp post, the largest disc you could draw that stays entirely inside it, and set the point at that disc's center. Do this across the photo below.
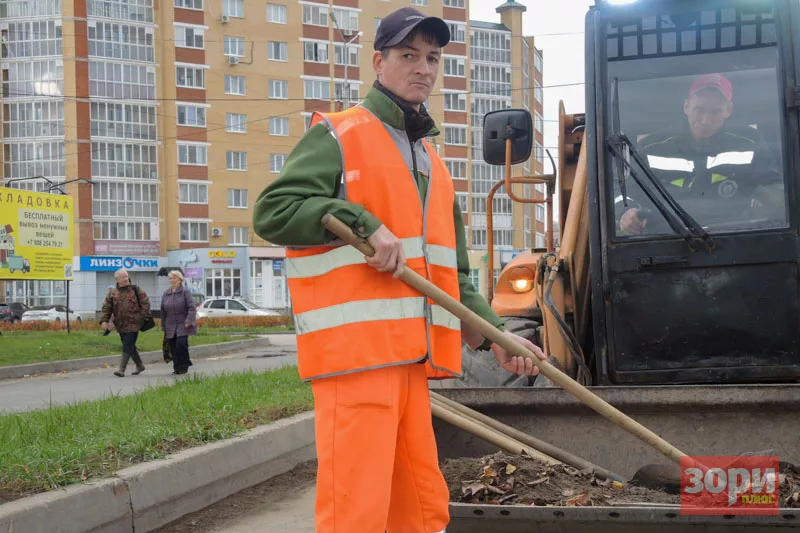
(346, 58)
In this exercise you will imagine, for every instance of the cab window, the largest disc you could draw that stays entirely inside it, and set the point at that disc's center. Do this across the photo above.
(699, 99)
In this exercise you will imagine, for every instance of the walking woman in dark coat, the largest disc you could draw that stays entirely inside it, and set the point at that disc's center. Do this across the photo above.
(178, 320)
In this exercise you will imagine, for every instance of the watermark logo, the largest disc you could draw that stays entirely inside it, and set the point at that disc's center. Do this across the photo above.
(730, 485)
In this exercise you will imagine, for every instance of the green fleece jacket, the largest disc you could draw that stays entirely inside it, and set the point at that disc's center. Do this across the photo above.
(289, 211)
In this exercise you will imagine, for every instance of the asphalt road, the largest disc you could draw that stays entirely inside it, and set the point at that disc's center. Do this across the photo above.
(36, 392)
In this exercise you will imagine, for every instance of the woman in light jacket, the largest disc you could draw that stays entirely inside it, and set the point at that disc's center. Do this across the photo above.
(178, 320)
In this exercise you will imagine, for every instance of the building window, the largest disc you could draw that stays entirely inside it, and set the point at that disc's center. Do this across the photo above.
(235, 85)
(223, 282)
(455, 135)
(191, 115)
(234, 46)
(276, 162)
(236, 122)
(193, 193)
(276, 13)
(419, 2)
(236, 160)
(316, 90)
(27, 78)
(540, 212)
(237, 235)
(36, 158)
(502, 240)
(491, 79)
(455, 102)
(347, 19)
(307, 117)
(455, 66)
(539, 122)
(32, 39)
(475, 278)
(315, 15)
(277, 51)
(37, 293)
(115, 80)
(538, 61)
(33, 119)
(482, 105)
(339, 91)
(194, 231)
(315, 52)
(453, 3)
(233, 8)
(490, 46)
(377, 23)
(30, 8)
(540, 240)
(190, 4)
(352, 55)
(188, 37)
(122, 160)
(457, 169)
(462, 198)
(539, 153)
(484, 176)
(279, 89)
(192, 154)
(458, 32)
(130, 200)
(237, 198)
(189, 77)
(132, 10)
(539, 93)
(123, 231)
(122, 41)
(279, 126)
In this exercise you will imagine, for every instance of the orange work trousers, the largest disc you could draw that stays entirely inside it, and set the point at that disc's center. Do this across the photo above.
(378, 463)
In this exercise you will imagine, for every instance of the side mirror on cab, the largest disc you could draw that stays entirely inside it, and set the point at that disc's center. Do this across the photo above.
(497, 126)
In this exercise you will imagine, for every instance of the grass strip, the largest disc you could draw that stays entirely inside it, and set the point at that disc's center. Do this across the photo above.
(47, 449)
(26, 347)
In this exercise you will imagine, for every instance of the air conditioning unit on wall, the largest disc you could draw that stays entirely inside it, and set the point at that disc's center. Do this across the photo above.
(233, 60)
(224, 19)
(216, 232)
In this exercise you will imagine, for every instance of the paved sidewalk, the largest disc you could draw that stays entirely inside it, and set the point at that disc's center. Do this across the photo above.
(37, 392)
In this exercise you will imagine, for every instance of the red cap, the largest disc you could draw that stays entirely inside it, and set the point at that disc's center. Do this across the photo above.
(715, 81)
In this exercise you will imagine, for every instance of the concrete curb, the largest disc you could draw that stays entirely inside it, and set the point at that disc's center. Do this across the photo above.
(147, 496)
(54, 367)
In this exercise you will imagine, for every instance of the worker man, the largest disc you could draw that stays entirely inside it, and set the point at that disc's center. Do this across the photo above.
(715, 170)
(366, 341)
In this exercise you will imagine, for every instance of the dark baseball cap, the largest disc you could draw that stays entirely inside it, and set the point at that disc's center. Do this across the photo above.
(396, 26)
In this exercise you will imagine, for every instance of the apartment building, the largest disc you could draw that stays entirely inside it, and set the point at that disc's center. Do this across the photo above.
(180, 113)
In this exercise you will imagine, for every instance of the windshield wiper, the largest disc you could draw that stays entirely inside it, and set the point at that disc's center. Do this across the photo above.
(622, 148)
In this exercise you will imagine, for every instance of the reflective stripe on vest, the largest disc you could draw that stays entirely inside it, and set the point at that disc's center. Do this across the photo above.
(676, 164)
(317, 265)
(370, 310)
(730, 158)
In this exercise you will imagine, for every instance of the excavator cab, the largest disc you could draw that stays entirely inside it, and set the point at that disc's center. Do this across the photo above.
(691, 156)
(677, 201)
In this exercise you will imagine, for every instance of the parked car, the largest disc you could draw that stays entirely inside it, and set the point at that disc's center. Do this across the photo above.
(222, 307)
(50, 313)
(12, 311)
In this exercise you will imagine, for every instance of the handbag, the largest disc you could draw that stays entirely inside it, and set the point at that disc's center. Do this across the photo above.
(149, 323)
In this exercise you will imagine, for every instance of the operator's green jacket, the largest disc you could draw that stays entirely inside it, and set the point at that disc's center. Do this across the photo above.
(289, 211)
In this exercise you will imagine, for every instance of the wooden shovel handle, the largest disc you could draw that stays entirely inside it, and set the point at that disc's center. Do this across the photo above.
(455, 307)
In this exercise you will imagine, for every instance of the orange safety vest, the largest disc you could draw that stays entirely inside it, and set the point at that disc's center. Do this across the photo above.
(350, 317)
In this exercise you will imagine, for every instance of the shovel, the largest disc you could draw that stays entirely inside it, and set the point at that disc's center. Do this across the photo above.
(455, 307)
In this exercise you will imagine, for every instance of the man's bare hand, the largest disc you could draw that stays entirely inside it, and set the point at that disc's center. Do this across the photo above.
(389, 256)
(519, 365)
(631, 224)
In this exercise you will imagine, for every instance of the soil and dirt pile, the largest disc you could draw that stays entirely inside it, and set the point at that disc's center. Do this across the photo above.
(503, 479)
